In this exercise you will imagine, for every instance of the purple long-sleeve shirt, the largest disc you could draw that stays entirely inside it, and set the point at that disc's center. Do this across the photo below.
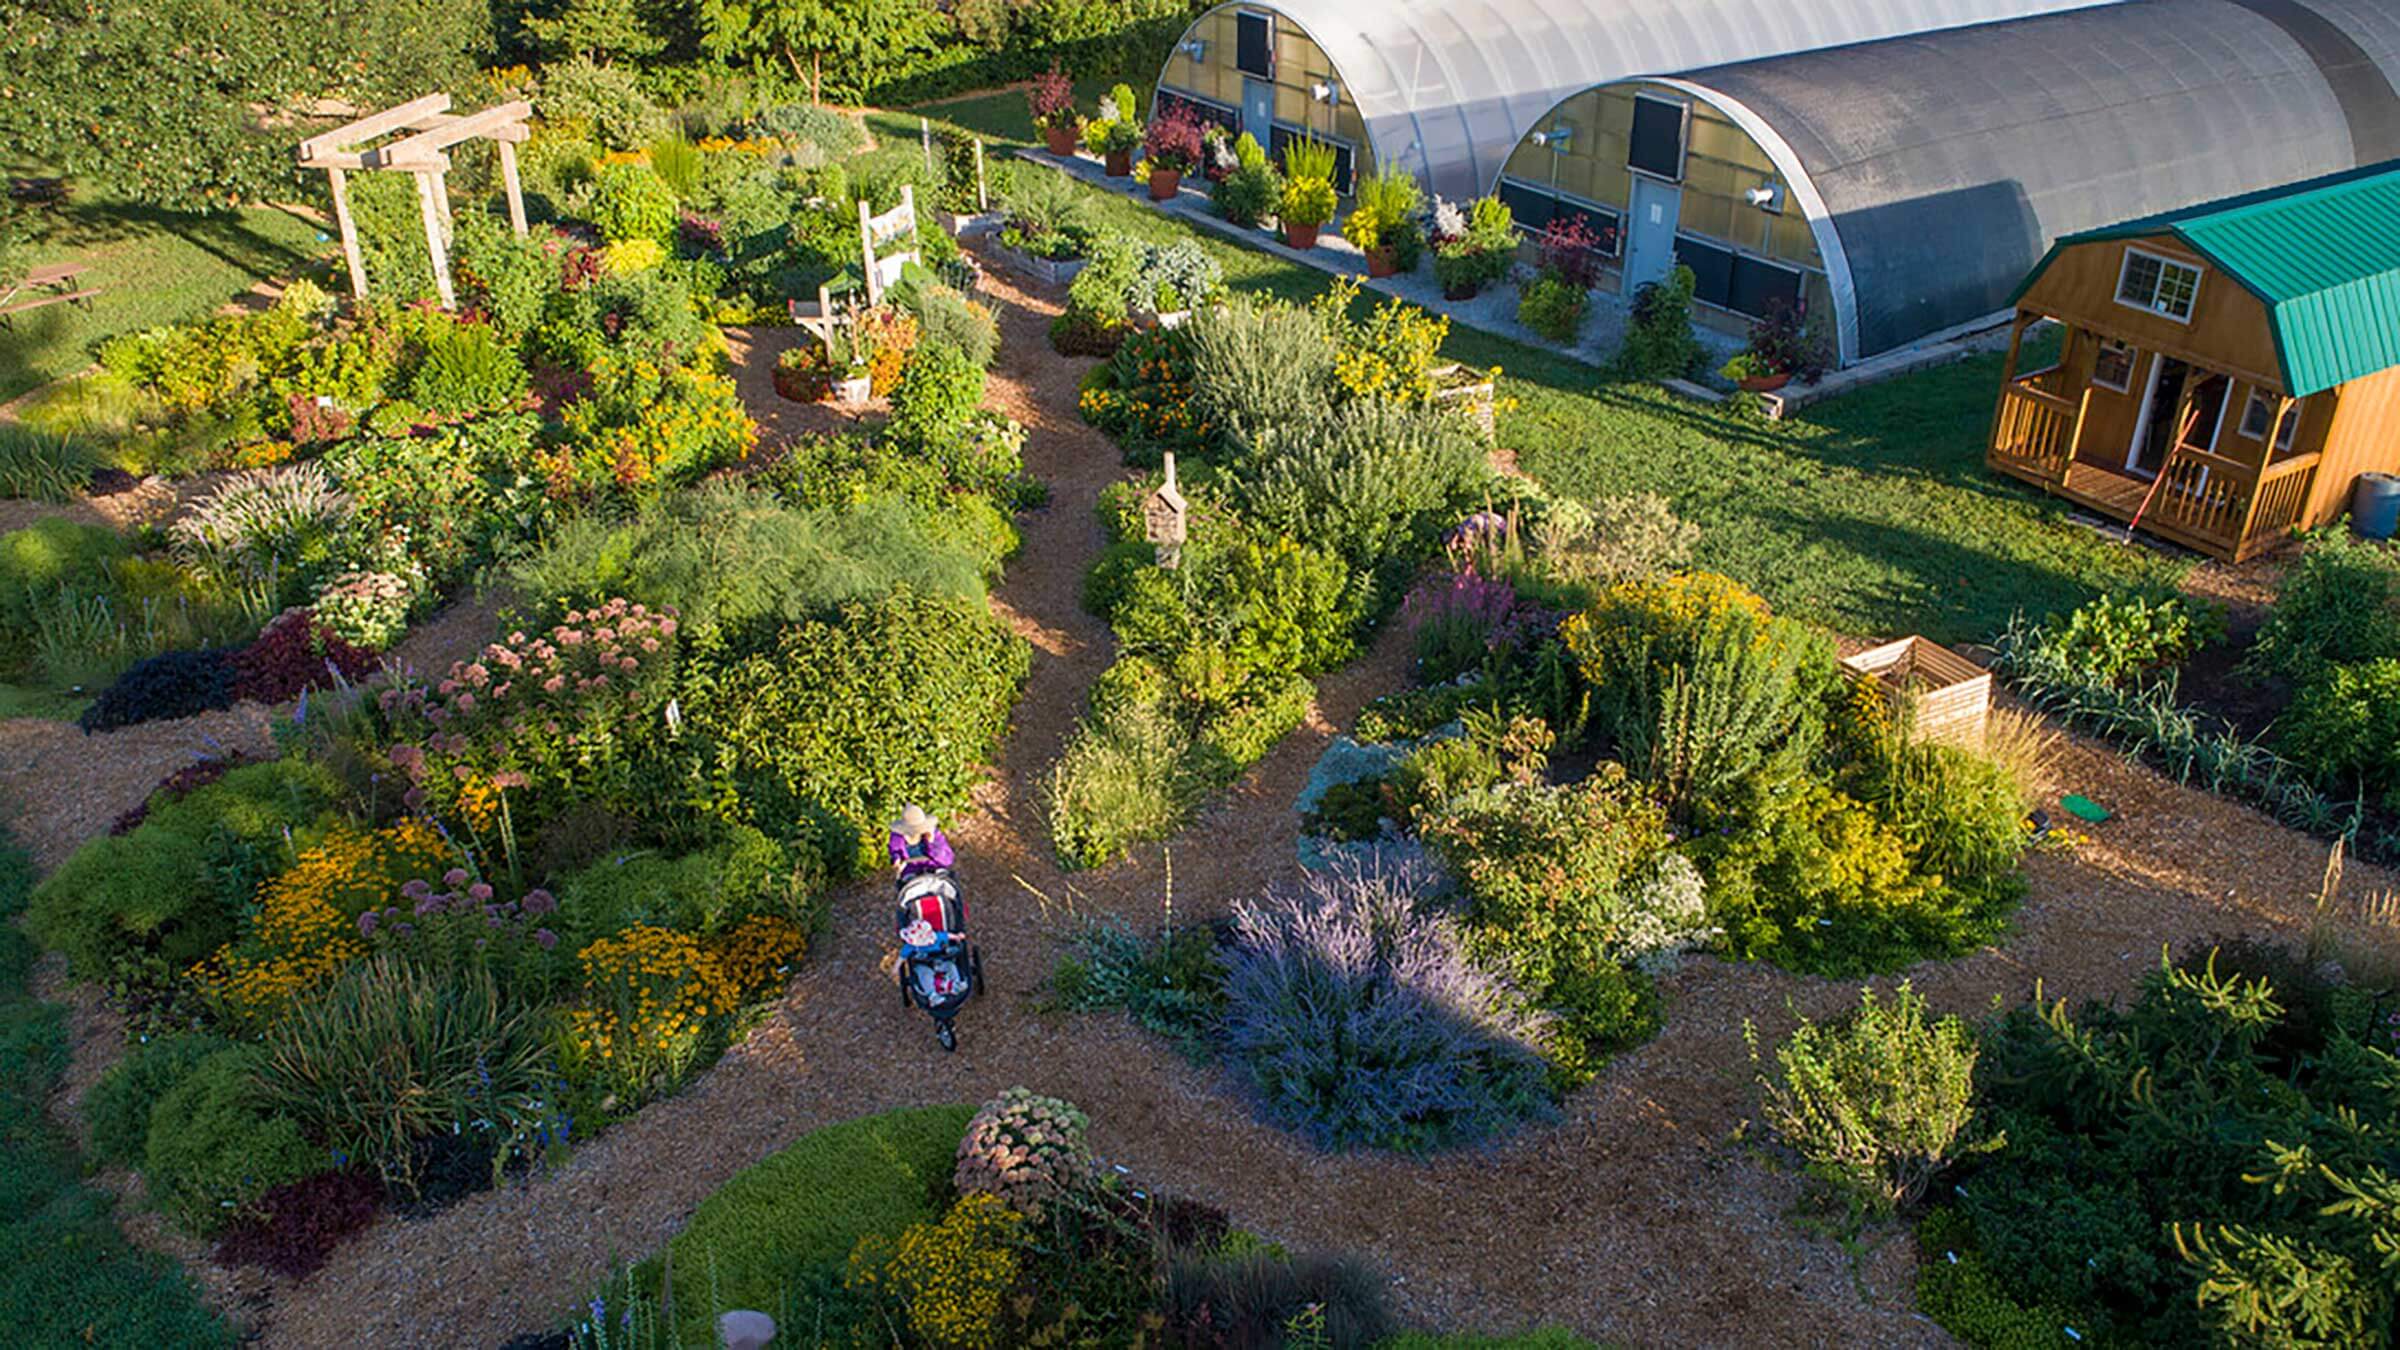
(933, 849)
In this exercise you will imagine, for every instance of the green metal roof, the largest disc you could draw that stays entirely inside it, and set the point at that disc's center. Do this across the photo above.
(2322, 255)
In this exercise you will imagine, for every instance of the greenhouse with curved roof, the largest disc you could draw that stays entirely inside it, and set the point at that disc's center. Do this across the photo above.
(1899, 190)
(1445, 88)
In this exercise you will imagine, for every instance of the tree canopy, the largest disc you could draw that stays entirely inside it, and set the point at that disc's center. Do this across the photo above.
(194, 103)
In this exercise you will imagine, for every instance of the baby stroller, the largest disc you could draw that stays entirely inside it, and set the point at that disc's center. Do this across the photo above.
(939, 969)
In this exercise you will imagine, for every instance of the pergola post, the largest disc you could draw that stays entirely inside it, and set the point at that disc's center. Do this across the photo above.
(349, 232)
(436, 240)
(430, 130)
(510, 185)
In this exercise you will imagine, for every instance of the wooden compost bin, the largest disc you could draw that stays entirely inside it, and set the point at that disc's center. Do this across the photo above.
(1945, 695)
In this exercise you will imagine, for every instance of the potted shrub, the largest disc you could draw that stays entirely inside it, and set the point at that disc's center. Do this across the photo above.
(1247, 194)
(1218, 157)
(1472, 248)
(1171, 148)
(804, 374)
(1554, 302)
(1115, 132)
(1051, 100)
(1308, 197)
(1751, 372)
(1781, 347)
(1384, 225)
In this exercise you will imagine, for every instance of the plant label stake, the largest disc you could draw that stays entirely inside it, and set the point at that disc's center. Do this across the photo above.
(983, 193)
(925, 134)
(1165, 520)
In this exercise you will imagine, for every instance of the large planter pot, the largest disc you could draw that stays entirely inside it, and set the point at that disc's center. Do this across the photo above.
(1299, 236)
(1120, 164)
(1062, 141)
(1764, 384)
(1382, 262)
(854, 392)
(1165, 183)
(802, 386)
(1465, 290)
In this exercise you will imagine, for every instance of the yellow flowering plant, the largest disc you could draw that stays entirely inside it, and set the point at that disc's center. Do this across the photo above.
(951, 1279)
(306, 930)
(645, 427)
(655, 1004)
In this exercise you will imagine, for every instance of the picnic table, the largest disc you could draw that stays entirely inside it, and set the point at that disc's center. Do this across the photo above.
(44, 286)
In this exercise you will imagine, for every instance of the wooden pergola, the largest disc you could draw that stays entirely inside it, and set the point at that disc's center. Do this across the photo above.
(432, 129)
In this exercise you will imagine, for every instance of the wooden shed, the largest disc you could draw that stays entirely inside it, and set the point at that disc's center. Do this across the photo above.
(2227, 371)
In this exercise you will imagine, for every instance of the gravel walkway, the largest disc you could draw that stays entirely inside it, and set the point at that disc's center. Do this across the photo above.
(1638, 1215)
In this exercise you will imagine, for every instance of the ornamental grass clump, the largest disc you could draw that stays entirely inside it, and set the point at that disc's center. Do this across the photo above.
(1354, 1013)
(1026, 1150)
(400, 1050)
(1877, 1102)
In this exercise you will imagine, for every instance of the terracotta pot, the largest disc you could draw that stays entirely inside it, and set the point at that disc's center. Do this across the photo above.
(1299, 236)
(1062, 140)
(1382, 262)
(1764, 384)
(1120, 164)
(1165, 183)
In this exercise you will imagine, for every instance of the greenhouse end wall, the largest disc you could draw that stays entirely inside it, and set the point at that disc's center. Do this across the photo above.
(1287, 93)
(1589, 172)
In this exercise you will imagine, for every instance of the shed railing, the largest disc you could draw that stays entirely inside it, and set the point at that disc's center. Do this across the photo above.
(2227, 505)
(2036, 432)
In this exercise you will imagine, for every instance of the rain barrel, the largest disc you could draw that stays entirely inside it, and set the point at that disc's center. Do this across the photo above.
(2375, 505)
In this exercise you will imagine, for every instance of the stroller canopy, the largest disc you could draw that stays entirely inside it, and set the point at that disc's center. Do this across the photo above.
(933, 897)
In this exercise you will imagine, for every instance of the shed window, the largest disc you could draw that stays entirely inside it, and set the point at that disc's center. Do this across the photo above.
(1536, 209)
(2260, 415)
(2112, 367)
(2159, 285)
(1657, 143)
(1254, 45)
(1759, 286)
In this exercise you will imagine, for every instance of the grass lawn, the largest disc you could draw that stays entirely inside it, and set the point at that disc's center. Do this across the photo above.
(1870, 514)
(152, 267)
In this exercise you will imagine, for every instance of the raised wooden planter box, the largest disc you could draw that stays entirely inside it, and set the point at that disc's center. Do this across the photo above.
(963, 224)
(1056, 271)
(1471, 393)
(1945, 696)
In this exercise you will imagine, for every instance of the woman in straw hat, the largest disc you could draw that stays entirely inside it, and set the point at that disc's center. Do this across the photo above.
(918, 844)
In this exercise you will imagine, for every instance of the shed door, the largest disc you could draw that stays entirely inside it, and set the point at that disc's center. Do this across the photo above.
(1258, 110)
(1650, 230)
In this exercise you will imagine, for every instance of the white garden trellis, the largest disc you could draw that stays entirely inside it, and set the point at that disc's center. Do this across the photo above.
(432, 129)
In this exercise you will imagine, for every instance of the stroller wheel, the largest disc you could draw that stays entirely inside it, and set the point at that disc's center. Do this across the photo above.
(975, 972)
(948, 1035)
(903, 986)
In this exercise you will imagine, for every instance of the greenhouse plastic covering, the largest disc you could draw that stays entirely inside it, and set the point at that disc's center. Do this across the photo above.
(1948, 162)
(1447, 87)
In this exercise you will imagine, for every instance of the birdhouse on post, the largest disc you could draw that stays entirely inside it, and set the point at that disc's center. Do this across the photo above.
(1164, 519)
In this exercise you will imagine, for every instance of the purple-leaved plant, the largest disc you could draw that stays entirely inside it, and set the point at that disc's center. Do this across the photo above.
(1355, 1015)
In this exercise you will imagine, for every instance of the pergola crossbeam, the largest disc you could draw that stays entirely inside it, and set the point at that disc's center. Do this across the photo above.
(432, 129)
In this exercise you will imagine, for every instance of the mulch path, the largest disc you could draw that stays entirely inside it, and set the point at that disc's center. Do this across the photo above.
(1638, 1215)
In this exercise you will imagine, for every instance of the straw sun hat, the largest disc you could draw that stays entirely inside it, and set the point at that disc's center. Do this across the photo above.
(914, 824)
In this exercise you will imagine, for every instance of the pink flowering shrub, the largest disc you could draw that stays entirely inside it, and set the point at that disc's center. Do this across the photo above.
(1458, 619)
(559, 715)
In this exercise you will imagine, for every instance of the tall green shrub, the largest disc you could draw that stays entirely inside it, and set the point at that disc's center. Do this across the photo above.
(846, 719)
(1877, 1102)
(216, 1144)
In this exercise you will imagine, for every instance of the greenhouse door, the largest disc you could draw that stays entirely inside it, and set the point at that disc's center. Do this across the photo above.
(1655, 207)
(1258, 110)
